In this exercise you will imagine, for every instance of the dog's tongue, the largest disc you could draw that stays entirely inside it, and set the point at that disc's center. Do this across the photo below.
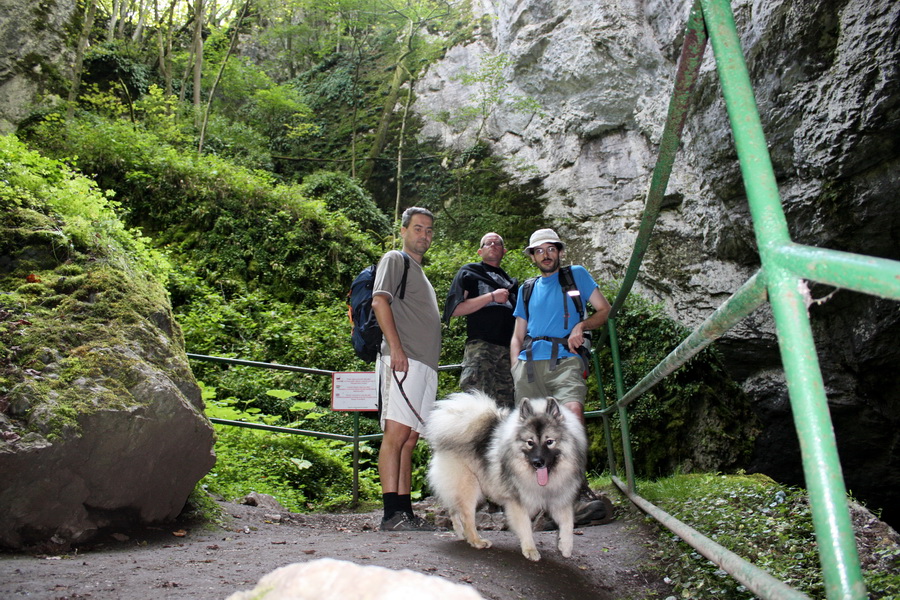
(542, 476)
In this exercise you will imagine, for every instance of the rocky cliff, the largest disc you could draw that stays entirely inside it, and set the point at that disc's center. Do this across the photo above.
(827, 80)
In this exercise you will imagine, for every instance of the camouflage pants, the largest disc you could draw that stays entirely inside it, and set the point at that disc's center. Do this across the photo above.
(486, 368)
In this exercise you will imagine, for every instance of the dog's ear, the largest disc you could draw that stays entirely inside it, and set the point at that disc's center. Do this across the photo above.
(525, 409)
(553, 408)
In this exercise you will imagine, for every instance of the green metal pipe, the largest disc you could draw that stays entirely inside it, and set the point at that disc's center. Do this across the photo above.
(755, 579)
(686, 76)
(812, 420)
(607, 431)
(756, 167)
(866, 274)
(824, 481)
(624, 429)
(253, 363)
(316, 434)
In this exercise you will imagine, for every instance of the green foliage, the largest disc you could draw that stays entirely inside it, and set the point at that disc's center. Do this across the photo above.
(118, 68)
(232, 220)
(301, 473)
(489, 85)
(695, 419)
(88, 220)
(768, 524)
(341, 193)
(159, 113)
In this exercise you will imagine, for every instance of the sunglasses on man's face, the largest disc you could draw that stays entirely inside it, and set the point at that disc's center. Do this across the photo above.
(492, 244)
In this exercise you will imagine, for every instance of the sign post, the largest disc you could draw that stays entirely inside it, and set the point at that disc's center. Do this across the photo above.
(354, 391)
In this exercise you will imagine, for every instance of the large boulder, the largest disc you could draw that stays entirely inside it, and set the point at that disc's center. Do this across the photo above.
(825, 75)
(101, 420)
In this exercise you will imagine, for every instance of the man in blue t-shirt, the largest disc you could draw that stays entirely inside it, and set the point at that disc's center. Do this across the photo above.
(548, 333)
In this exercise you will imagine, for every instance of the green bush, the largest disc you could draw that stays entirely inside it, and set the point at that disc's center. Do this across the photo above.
(695, 419)
(302, 473)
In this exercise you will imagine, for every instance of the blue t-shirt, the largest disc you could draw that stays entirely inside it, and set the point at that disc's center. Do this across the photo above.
(546, 312)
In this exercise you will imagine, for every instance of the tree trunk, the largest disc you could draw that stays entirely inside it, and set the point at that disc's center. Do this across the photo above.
(79, 58)
(397, 81)
(165, 32)
(113, 16)
(212, 91)
(123, 10)
(138, 34)
(198, 57)
(409, 97)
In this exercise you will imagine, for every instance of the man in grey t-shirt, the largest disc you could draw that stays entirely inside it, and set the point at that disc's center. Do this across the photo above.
(406, 368)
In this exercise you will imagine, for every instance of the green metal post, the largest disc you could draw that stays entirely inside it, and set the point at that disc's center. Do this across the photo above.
(607, 432)
(623, 411)
(866, 274)
(824, 480)
(355, 459)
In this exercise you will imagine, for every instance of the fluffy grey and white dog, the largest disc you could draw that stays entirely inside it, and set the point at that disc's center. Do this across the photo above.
(527, 460)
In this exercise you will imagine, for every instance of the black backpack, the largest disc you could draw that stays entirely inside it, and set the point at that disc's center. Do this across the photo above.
(366, 335)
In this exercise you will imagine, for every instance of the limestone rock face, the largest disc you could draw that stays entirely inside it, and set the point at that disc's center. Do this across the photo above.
(33, 47)
(826, 76)
(101, 419)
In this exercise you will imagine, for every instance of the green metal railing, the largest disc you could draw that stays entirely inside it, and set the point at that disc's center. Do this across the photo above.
(355, 438)
(782, 281)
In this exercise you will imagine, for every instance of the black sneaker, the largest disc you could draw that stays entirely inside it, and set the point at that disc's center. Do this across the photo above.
(420, 523)
(402, 521)
(587, 513)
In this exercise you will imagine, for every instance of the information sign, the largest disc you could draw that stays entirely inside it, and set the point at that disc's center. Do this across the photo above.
(353, 391)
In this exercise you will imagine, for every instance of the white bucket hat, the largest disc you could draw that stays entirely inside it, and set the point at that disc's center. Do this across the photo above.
(543, 236)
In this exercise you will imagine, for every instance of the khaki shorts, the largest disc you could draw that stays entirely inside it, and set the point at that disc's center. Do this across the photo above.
(420, 386)
(565, 383)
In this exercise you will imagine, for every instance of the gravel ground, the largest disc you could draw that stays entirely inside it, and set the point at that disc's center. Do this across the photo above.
(199, 560)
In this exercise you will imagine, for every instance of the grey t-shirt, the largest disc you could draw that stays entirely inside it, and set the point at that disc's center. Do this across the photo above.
(416, 316)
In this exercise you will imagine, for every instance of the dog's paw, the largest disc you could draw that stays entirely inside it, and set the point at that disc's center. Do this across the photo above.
(565, 549)
(531, 554)
(480, 543)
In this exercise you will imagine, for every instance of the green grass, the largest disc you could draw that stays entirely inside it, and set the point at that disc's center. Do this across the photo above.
(766, 523)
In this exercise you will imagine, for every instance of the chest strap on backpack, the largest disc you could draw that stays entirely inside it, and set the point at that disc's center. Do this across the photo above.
(554, 353)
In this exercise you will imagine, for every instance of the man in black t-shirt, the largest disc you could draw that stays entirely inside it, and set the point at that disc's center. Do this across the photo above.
(486, 296)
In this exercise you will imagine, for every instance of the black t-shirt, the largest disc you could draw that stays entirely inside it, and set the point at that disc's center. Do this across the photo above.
(494, 323)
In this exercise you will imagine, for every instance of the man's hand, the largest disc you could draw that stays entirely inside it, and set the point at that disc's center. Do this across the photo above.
(576, 338)
(399, 360)
(500, 296)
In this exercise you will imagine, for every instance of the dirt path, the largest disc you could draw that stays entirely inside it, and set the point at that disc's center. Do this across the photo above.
(609, 561)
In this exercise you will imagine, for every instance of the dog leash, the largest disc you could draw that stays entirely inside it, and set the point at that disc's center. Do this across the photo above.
(405, 397)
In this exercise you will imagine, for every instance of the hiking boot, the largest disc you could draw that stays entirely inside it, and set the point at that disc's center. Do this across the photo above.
(420, 523)
(403, 521)
(591, 513)
(587, 513)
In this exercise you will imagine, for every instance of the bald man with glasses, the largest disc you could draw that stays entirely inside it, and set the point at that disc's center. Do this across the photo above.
(485, 294)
